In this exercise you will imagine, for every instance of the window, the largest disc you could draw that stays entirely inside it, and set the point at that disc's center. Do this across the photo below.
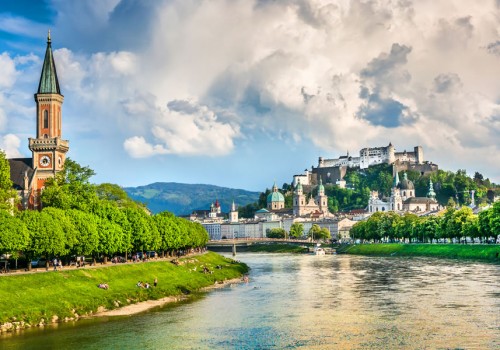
(45, 119)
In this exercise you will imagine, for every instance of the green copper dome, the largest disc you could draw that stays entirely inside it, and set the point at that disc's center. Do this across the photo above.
(275, 195)
(406, 184)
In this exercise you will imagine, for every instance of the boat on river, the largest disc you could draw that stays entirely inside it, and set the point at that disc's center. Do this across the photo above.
(318, 250)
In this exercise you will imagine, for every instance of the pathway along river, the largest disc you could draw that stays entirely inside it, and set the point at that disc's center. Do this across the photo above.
(310, 302)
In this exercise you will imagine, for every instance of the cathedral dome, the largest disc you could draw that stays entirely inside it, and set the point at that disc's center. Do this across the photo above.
(275, 197)
(406, 184)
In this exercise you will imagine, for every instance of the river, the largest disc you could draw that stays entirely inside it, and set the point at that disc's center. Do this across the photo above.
(310, 302)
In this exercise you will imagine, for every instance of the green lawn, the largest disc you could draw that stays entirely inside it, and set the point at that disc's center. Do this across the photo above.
(453, 251)
(31, 297)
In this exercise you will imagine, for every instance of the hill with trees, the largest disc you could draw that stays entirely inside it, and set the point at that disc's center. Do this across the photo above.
(450, 187)
(182, 199)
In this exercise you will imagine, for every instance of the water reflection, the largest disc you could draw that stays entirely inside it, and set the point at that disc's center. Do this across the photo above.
(313, 302)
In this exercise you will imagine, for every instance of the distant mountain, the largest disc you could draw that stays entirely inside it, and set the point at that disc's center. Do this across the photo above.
(182, 199)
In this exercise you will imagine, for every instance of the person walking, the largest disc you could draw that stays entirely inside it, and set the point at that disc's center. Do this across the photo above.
(54, 262)
(155, 282)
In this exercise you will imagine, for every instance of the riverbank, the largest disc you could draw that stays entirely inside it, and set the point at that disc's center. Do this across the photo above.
(38, 299)
(276, 248)
(452, 251)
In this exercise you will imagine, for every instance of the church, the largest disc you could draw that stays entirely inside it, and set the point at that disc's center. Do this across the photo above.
(403, 198)
(48, 148)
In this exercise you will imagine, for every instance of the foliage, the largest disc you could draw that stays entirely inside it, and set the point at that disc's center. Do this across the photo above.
(296, 230)
(79, 218)
(14, 235)
(276, 233)
(458, 225)
(8, 196)
(317, 233)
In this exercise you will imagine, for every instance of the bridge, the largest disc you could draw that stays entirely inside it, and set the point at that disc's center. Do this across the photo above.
(240, 244)
(250, 241)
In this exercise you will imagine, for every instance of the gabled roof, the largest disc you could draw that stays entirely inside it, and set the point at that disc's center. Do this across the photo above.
(49, 84)
(18, 168)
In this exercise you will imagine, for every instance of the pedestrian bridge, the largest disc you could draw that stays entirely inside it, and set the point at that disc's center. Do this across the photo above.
(251, 241)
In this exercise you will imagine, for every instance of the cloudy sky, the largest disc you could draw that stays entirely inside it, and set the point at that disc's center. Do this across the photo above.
(241, 93)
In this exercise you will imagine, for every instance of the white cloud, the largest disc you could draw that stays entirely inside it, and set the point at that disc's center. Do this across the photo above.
(340, 74)
(8, 71)
(186, 128)
(10, 144)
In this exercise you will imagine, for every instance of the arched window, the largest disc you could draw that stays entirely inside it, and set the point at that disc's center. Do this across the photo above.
(383, 208)
(404, 193)
(45, 119)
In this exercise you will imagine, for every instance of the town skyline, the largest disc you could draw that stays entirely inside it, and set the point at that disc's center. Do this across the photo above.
(152, 95)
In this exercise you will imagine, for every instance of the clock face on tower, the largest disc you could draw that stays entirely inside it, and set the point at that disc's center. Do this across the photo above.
(45, 161)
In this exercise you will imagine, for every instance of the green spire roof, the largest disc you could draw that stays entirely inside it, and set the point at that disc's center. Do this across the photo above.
(48, 80)
(321, 188)
(396, 180)
(431, 193)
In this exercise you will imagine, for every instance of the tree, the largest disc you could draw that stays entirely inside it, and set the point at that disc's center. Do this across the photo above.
(314, 232)
(14, 235)
(297, 230)
(85, 224)
(8, 196)
(47, 239)
(276, 233)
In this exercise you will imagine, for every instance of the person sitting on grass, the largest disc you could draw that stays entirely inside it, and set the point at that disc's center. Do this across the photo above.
(103, 286)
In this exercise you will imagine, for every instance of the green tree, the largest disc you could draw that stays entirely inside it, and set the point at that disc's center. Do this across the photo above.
(296, 230)
(276, 233)
(14, 236)
(8, 196)
(46, 236)
(85, 224)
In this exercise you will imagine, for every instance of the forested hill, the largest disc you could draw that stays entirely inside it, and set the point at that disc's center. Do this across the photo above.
(182, 199)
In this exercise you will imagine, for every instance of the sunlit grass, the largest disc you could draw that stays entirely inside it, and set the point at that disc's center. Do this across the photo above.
(31, 297)
(453, 251)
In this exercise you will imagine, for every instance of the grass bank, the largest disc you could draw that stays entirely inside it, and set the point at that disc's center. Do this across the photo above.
(276, 248)
(39, 298)
(452, 251)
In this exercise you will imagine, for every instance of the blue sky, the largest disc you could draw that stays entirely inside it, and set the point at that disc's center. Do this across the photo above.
(242, 93)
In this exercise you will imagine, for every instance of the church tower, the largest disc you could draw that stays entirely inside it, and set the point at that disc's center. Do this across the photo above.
(298, 200)
(233, 214)
(48, 148)
(322, 199)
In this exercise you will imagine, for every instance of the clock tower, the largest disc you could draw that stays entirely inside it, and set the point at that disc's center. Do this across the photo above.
(48, 148)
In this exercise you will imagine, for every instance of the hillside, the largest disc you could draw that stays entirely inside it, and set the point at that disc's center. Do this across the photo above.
(182, 199)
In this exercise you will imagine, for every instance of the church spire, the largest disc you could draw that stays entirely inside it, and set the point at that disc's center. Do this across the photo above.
(396, 177)
(49, 84)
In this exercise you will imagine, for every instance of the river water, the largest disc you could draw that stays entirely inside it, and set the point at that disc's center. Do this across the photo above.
(310, 302)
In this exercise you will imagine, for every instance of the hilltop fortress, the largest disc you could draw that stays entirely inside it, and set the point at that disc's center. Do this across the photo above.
(333, 170)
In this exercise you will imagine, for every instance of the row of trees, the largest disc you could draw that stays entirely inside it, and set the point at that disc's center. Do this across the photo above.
(454, 224)
(79, 218)
(297, 231)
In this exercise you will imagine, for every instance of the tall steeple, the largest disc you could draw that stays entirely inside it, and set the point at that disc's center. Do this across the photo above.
(48, 148)
(431, 193)
(396, 178)
(49, 84)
